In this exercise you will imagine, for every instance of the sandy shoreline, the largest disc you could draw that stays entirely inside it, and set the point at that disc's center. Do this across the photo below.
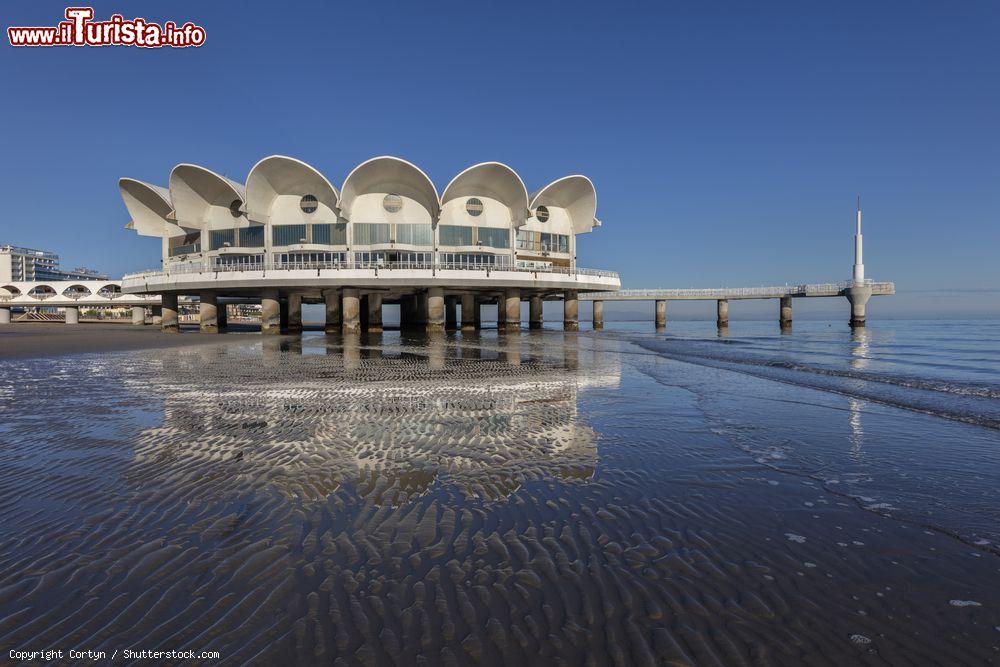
(45, 339)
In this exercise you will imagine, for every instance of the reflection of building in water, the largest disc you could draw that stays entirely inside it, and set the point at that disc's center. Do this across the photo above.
(386, 422)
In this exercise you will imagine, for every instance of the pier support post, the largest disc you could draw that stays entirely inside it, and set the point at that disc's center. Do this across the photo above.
(138, 315)
(72, 314)
(722, 313)
(157, 315)
(435, 309)
(571, 309)
(451, 313)
(469, 307)
(478, 315)
(5, 315)
(208, 313)
(351, 310)
(535, 317)
(785, 312)
(421, 299)
(661, 314)
(598, 315)
(168, 313)
(223, 317)
(283, 315)
(270, 312)
(858, 297)
(295, 313)
(512, 308)
(331, 299)
(375, 313)
(501, 313)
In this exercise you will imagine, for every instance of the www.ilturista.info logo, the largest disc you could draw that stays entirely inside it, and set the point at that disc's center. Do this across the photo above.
(79, 29)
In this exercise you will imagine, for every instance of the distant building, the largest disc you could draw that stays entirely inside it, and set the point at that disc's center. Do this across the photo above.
(27, 264)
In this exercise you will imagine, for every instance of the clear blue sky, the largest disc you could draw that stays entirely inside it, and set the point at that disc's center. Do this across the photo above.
(727, 143)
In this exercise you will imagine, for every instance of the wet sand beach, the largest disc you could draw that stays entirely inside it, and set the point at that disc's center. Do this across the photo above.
(534, 498)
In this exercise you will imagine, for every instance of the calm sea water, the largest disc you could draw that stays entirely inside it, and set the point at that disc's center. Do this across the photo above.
(622, 497)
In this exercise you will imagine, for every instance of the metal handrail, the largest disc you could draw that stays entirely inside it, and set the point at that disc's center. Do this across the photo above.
(358, 265)
(736, 292)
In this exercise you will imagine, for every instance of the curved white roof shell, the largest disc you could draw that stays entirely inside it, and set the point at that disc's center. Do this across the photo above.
(198, 193)
(577, 195)
(279, 176)
(150, 207)
(391, 175)
(494, 180)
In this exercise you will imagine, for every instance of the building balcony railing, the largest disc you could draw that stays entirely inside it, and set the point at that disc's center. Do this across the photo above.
(187, 269)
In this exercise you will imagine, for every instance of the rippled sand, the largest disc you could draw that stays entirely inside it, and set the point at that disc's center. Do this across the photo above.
(529, 499)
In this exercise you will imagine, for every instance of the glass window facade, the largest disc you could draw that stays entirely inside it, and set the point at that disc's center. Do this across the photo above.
(368, 233)
(252, 237)
(218, 238)
(475, 259)
(493, 237)
(335, 234)
(186, 249)
(455, 235)
(542, 242)
(288, 234)
(415, 235)
(310, 260)
(239, 261)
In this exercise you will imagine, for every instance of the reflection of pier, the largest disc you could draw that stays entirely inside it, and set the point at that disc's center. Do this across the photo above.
(387, 422)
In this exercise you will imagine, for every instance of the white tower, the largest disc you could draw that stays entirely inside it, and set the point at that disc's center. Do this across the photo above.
(859, 262)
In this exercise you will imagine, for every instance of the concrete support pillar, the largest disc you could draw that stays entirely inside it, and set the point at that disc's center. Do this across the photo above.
(501, 313)
(351, 310)
(138, 315)
(598, 315)
(451, 313)
(72, 315)
(661, 314)
(785, 312)
(157, 315)
(209, 313)
(478, 315)
(270, 312)
(375, 313)
(4, 315)
(294, 313)
(283, 315)
(512, 308)
(332, 299)
(722, 313)
(421, 300)
(535, 312)
(223, 316)
(571, 310)
(407, 312)
(469, 308)
(858, 297)
(435, 309)
(168, 313)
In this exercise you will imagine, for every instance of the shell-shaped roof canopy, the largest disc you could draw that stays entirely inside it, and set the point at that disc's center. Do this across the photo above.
(577, 195)
(149, 205)
(390, 175)
(494, 180)
(193, 189)
(281, 175)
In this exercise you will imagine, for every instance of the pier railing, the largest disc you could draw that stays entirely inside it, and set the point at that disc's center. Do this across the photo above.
(186, 269)
(818, 289)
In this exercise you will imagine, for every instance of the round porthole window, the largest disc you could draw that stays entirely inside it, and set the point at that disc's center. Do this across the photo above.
(234, 208)
(392, 203)
(474, 207)
(308, 204)
(542, 214)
